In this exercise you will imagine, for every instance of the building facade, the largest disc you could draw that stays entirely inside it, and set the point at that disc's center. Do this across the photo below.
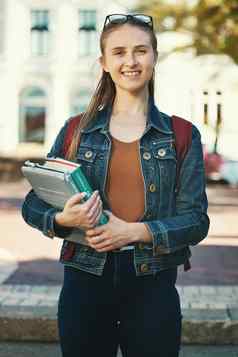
(49, 69)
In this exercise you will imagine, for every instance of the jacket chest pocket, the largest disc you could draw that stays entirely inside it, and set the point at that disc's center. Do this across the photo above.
(164, 157)
(91, 161)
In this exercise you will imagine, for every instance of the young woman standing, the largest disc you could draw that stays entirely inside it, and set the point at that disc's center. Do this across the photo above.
(119, 280)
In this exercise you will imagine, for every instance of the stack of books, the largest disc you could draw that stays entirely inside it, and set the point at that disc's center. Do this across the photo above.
(56, 180)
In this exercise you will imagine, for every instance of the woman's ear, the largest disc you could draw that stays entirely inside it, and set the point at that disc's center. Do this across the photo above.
(102, 63)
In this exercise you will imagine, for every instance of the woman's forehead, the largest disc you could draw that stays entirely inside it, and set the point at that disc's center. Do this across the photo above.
(127, 36)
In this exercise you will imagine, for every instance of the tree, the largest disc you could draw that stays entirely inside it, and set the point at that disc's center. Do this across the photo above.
(212, 24)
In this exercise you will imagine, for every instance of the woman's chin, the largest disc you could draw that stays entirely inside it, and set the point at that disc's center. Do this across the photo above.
(133, 87)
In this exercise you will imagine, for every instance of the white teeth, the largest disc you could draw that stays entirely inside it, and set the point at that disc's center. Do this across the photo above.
(130, 74)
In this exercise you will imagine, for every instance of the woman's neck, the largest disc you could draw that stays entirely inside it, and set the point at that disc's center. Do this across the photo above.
(132, 105)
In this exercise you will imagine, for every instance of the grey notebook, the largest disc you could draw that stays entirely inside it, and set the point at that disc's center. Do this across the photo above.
(51, 183)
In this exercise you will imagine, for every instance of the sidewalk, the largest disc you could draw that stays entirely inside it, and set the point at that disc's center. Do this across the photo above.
(44, 349)
(210, 314)
(28, 310)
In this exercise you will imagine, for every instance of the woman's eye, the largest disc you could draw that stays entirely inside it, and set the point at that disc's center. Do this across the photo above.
(121, 52)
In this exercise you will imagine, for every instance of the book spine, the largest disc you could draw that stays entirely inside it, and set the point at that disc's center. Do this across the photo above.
(73, 188)
(78, 180)
(81, 182)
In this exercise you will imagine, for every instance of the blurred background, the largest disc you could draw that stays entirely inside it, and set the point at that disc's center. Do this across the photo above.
(48, 71)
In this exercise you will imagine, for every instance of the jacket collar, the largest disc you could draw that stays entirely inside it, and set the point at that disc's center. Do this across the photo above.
(155, 119)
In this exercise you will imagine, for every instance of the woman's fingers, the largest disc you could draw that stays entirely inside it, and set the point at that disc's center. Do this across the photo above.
(95, 209)
(99, 242)
(93, 220)
(83, 214)
(104, 246)
(97, 218)
(89, 204)
(75, 199)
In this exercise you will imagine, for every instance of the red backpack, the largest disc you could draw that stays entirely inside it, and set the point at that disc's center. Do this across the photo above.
(183, 136)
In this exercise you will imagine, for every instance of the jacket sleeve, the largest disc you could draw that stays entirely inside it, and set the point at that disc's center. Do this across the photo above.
(39, 214)
(190, 224)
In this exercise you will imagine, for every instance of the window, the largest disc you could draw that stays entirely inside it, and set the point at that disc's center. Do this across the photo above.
(80, 101)
(218, 119)
(87, 32)
(39, 32)
(205, 108)
(32, 115)
(212, 116)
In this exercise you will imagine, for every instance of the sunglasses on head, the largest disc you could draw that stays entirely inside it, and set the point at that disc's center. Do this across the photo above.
(123, 18)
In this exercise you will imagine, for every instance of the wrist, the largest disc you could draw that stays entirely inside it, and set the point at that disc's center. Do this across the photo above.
(60, 229)
(140, 233)
(59, 219)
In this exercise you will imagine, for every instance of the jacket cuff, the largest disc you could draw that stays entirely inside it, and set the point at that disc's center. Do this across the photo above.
(159, 237)
(51, 228)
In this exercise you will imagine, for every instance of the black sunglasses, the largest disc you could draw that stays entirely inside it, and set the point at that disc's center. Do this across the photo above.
(123, 18)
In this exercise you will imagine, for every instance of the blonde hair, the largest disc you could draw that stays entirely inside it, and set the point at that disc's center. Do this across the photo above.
(105, 91)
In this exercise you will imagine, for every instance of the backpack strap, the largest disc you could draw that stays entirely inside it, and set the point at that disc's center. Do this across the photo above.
(72, 125)
(183, 137)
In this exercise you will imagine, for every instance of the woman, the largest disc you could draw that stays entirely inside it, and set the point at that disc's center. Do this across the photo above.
(119, 283)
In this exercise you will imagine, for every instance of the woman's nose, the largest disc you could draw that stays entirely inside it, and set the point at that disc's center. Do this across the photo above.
(131, 59)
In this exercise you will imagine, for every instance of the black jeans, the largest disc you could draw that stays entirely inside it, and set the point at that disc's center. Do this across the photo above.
(98, 313)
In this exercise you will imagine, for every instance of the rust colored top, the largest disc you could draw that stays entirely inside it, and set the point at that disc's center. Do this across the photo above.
(125, 184)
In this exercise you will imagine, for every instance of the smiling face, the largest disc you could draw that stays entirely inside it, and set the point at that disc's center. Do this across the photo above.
(129, 58)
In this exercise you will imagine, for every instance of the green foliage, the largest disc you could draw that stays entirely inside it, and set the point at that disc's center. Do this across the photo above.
(213, 24)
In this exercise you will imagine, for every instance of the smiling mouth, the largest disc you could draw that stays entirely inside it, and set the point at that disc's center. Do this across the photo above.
(131, 74)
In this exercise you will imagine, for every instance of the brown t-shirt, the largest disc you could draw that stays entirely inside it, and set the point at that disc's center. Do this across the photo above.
(125, 184)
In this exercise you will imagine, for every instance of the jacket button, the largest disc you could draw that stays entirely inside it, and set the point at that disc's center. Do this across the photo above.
(141, 245)
(144, 268)
(161, 152)
(50, 234)
(146, 156)
(88, 154)
(152, 187)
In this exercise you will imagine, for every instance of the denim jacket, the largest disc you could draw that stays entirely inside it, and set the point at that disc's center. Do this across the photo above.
(176, 218)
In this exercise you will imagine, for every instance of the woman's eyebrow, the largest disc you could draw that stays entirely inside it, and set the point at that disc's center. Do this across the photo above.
(123, 47)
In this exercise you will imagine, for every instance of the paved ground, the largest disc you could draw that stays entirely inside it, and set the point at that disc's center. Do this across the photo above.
(53, 350)
(192, 297)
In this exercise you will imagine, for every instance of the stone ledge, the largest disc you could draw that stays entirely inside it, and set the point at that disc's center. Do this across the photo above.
(39, 323)
(207, 326)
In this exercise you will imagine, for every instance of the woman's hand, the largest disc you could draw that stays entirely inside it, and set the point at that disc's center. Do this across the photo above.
(83, 215)
(116, 234)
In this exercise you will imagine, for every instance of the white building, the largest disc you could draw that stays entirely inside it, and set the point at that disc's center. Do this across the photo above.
(201, 89)
(49, 68)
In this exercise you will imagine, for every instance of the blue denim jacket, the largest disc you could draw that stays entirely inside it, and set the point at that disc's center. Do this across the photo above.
(176, 219)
